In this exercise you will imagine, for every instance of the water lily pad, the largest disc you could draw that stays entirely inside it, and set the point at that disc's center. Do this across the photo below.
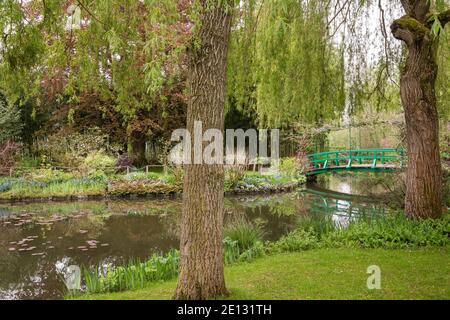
(38, 254)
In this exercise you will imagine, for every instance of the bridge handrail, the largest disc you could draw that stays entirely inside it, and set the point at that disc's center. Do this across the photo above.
(358, 158)
(373, 151)
(332, 159)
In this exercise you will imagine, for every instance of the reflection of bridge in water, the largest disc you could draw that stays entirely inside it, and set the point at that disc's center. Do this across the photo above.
(374, 160)
(341, 207)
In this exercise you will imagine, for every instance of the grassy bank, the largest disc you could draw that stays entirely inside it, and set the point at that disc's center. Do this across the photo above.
(243, 243)
(326, 274)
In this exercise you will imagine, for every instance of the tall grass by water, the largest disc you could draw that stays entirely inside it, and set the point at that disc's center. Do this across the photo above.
(243, 243)
(246, 234)
(134, 275)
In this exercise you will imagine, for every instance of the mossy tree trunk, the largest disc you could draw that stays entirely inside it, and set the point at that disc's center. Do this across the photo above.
(202, 263)
(418, 78)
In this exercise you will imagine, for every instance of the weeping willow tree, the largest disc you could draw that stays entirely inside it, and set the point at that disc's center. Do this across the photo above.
(125, 54)
(419, 30)
(283, 65)
(291, 71)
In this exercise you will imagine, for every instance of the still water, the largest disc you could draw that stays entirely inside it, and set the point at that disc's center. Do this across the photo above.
(39, 241)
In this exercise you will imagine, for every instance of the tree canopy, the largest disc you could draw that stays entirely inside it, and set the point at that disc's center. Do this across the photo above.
(121, 65)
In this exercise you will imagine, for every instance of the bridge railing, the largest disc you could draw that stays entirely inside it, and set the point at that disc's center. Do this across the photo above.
(351, 158)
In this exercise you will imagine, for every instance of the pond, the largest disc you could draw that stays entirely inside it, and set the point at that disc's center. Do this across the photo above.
(39, 241)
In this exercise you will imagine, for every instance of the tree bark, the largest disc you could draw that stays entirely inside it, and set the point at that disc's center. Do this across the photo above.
(138, 145)
(417, 86)
(201, 273)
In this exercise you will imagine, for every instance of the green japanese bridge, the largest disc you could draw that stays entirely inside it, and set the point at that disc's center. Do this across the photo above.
(373, 160)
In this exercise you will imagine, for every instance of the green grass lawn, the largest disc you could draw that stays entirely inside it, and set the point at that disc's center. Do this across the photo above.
(327, 274)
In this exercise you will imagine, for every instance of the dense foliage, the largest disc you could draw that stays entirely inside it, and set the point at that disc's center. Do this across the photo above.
(285, 74)
(119, 66)
(68, 67)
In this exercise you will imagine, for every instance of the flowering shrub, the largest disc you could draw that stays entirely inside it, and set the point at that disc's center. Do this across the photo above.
(98, 161)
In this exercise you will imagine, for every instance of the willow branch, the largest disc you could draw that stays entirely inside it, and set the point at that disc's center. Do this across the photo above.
(89, 12)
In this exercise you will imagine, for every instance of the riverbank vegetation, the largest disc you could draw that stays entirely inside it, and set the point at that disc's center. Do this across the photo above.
(337, 274)
(47, 184)
(244, 243)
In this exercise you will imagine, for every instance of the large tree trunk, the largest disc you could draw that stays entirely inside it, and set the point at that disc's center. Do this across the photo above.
(138, 145)
(202, 264)
(424, 173)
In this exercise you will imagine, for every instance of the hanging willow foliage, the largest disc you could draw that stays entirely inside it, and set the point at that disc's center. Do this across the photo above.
(123, 51)
(282, 64)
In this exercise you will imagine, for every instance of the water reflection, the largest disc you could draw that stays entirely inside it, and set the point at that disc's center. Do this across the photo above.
(39, 241)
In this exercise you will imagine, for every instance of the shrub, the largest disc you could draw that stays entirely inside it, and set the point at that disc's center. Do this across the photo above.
(175, 176)
(297, 240)
(394, 231)
(253, 180)
(98, 161)
(233, 175)
(48, 176)
(290, 167)
(70, 149)
(252, 253)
